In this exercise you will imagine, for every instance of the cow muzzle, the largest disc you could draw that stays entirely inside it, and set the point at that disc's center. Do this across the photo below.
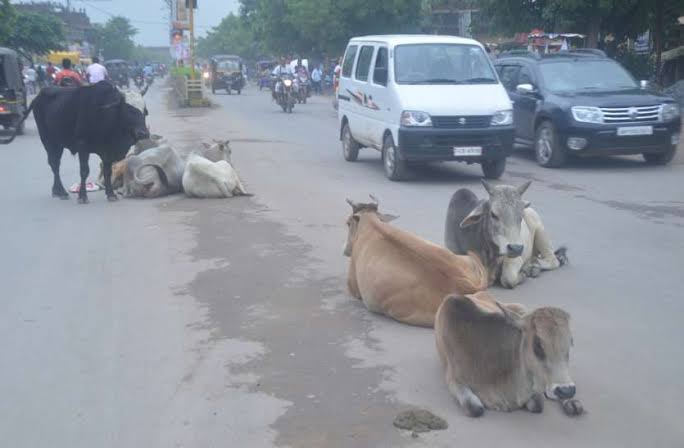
(142, 134)
(514, 250)
(561, 391)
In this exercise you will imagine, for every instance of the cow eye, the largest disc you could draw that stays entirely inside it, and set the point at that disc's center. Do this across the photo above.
(494, 215)
(538, 348)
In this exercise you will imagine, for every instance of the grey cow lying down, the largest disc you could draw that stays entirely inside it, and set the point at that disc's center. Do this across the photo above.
(503, 358)
(504, 231)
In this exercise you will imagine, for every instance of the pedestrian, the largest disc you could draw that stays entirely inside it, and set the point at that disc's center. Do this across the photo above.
(50, 71)
(40, 77)
(31, 77)
(316, 78)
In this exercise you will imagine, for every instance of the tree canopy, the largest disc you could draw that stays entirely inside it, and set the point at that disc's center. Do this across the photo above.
(29, 33)
(114, 39)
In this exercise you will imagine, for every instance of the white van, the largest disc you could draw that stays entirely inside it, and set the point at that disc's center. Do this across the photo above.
(423, 98)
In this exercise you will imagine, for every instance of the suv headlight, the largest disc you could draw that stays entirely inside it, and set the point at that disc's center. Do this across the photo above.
(669, 112)
(502, 118)
(587, 114)
(415, 118)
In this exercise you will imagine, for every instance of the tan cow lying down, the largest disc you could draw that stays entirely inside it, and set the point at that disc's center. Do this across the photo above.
(499, 357)
(400, 274)
(206, 179)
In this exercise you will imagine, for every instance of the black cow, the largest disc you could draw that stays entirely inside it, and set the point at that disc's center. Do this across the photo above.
(87, 120)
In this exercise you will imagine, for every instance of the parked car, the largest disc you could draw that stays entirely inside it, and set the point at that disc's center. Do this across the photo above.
(421, 98)
(583, 103)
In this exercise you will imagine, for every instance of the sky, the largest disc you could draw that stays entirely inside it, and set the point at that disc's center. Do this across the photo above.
(150, 18)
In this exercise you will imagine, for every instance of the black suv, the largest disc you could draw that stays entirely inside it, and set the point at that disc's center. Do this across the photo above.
(583, 103)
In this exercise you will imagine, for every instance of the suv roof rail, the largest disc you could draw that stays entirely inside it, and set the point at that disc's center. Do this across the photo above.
(586, 51)
(521, 53)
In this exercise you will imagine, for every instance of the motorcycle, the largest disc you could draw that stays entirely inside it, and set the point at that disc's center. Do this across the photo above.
(303, 88)
(284, 93)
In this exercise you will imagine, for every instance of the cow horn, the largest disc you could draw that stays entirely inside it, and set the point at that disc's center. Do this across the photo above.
(510, 317)
(487, 186)
(374, 199)
(350, 202)
(523, 188)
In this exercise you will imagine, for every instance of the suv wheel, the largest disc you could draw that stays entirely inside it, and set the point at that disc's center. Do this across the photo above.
(547, 151)
(395, 168)
(493, 169)
(350, 148)
(660, 158)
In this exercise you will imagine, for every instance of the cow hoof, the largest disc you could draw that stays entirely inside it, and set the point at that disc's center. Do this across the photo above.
(533, 271)
(572, 407)
(474, 409)
(112, 198)
(82, 200)
(536, 404)
(562, 255)
(61, 196)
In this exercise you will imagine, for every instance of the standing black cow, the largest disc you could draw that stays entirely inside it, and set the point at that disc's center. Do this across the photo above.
(87, 120)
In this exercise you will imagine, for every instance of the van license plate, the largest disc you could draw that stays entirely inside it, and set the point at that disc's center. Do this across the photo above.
(635, 130)
(467, 150)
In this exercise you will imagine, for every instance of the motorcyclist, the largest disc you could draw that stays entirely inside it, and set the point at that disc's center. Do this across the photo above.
(281, 70)
(67, 77)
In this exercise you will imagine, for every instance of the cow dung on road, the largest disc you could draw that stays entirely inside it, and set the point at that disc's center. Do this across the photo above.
(419, 420)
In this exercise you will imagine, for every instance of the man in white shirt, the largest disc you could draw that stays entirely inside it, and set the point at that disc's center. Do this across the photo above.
(316, 78)
(96, 72)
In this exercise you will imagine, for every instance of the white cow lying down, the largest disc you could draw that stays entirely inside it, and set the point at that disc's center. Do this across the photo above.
(206, 179)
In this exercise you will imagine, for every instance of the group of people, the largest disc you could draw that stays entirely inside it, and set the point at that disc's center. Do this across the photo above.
(320, 76)
(35, 77)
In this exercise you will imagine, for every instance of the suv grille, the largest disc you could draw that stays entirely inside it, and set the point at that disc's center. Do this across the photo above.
(462, 122)
(630, 114)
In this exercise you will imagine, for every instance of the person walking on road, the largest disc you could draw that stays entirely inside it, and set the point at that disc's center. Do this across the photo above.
(96, 72)
(31, 77)
(40, 77)
(316, 78)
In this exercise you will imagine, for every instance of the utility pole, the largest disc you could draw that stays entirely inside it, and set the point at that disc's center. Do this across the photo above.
(191, 4)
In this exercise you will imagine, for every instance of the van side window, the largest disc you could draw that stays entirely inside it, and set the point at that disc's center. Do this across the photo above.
(348, 63)
(509, 76)
(380, 71)
(363, 65)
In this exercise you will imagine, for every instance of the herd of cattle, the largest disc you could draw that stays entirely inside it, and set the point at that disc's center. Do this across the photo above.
(102, 120)
(496, 355)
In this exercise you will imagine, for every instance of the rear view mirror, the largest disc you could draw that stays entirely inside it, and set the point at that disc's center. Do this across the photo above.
(525, 89)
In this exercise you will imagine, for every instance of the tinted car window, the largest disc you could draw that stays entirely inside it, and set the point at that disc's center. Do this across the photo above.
(596, 75)
(380, 71)
(348, 63)
(363, 65)
(509, 76)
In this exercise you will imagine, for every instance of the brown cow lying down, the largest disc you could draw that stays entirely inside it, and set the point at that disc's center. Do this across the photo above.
(400, 274)
(500, 357)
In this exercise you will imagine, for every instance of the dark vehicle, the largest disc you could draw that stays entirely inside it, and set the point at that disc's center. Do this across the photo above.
(226, 73)
(583, 103)
(12, 92)
(119, 71)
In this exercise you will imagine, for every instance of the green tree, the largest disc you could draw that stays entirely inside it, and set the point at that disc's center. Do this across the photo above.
(115, 38)
(231, 36)
(7, 19)
(36, 34)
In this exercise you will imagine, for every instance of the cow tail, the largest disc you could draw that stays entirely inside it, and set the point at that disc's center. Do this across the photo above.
(11, 138)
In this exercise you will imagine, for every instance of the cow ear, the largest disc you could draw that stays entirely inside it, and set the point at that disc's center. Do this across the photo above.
(473, 217)
(523, 188)
(206, 145)
(526, 204)
(511, 318)
(387, 218)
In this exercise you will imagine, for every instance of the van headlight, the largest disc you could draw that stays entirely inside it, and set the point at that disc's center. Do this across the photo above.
(586, 114)
(415, 118)
(502, 118)
(669, 112)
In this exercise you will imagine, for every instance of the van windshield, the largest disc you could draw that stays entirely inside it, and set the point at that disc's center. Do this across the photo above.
(442, 64)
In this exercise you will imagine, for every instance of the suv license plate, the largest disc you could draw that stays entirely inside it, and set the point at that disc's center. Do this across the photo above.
(467, 150)
(635, 130)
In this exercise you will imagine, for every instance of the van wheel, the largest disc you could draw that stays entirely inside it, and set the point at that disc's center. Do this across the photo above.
(395, 168)
(350, 147)
(493, 169)
(660, 158)
(547, 151)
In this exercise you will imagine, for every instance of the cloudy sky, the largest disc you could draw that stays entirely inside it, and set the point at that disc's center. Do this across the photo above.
(149, 17)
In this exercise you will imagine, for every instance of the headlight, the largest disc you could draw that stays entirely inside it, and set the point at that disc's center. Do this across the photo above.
(415, 118)
(586, 114)
(206, 75)
(502, 118)
(287, 82)
(669, 112)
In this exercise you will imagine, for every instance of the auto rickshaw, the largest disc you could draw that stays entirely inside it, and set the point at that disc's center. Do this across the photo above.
(12, 92)
(227, 74)
(119, 71)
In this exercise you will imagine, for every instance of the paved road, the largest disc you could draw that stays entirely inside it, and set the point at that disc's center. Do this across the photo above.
(190, 323)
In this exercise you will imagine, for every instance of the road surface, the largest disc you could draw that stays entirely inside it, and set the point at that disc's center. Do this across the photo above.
(201, 323)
